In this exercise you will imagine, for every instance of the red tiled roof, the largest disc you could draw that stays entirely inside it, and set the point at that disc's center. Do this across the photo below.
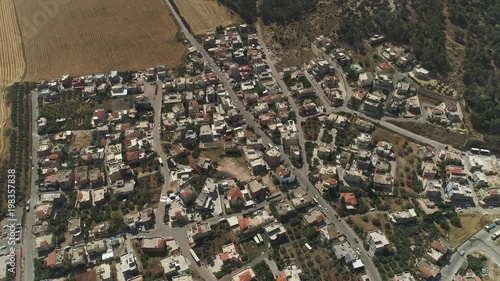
(235, 193)
(101, 114)
(132, 155)
(186, 193)
(245, 276)
(53, 157)
(51, 259)
(281, 277)
(349, 198)
(331, 181)
(384, 66)
(243, 223)
(224, 256)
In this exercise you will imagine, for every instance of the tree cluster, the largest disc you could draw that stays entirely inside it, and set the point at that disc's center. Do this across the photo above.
(482, 58)
(285, 11)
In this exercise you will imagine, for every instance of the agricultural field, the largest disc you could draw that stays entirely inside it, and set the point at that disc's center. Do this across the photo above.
(82, 37)
(205, 15)
(11, 64)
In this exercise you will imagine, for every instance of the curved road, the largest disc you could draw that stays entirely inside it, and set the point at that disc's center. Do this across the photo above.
(482, 242)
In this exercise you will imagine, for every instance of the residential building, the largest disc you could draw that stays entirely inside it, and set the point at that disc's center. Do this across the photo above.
(56, 259)
(198, 231)
(459, 194)
(275, 232)
(377, 241)
(313, 216)
(350, 201)
(245, 275)
(229, 255)
(128, 264)
(258, 190)
(404, 276)
(43, 243)
(153, 244)
(290, 273)
(174, 264)
(402, 217)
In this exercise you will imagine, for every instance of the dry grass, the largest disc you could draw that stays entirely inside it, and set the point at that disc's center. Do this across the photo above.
(82, 138)
(4, 123)
(84, 37)
(434, 132)
(11, 64)
(205, 15)
(268, 181)
(368, 226)
(493, 271)
(471, 223)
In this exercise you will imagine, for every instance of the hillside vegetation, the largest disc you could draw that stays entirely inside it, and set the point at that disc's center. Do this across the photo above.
(480, 31)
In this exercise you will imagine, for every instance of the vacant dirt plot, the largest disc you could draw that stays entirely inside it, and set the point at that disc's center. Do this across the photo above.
(471, 223)
(82, 37)
(205, 15)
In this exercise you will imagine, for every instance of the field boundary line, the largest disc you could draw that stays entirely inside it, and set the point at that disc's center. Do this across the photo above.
(25, 68)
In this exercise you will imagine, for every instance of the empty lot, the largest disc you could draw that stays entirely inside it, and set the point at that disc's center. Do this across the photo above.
(92, 36)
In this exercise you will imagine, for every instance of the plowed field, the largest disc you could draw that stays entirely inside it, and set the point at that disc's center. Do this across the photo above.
(11, 63)
(92, 36)
(205, 15)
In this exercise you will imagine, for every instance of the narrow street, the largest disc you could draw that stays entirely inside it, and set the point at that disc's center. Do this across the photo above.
(28, 253)
(301, 175)
(157, 104)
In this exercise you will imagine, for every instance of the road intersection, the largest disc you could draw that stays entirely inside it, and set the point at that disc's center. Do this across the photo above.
(179, 234)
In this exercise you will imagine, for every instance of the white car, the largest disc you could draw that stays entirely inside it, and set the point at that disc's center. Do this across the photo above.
(3, 247)
(462, 253)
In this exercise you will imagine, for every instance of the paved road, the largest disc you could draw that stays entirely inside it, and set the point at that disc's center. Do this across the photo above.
(481, 242)
(157, 104)
(286, 92)
(27, 242)
(299, 174)
(382, 123)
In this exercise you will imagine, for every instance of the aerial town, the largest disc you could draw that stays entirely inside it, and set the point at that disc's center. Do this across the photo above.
(228, 168)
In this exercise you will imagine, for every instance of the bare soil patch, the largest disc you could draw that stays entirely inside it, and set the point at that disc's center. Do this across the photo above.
(82, 138)
(205, 15)
(268, 181)
(235, 167)
(83, 37)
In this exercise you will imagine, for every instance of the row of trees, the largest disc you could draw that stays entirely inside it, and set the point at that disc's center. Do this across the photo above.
(425, 34)
(19, 141)
(247, 9)
(285, 11)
